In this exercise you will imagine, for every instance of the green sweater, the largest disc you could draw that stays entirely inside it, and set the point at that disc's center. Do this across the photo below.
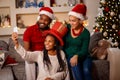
(76, 46)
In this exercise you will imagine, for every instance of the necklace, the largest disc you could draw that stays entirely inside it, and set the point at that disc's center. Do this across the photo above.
(77, 34)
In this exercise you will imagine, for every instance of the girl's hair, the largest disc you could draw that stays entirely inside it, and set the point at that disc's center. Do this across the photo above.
(46, 58)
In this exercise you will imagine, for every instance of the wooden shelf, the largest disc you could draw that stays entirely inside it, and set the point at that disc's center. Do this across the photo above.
(35, 10)
(6, 31)
(9, 30)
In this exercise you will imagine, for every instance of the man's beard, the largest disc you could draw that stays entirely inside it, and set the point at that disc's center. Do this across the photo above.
(42, 26)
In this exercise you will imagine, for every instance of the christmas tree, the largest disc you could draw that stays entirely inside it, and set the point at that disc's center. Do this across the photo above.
(108, 21)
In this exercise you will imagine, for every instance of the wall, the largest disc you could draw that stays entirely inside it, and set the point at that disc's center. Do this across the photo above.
(92, 11)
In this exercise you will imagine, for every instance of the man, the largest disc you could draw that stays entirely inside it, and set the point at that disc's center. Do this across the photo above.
(34, 38)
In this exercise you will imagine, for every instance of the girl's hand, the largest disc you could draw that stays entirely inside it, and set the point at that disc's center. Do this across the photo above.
(74, 60)
(15, 38)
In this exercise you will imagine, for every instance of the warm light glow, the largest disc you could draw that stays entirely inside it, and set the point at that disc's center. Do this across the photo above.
(6, 26)
(85, 23)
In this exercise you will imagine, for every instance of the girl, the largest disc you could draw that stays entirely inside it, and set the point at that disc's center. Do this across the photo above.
(51, 61)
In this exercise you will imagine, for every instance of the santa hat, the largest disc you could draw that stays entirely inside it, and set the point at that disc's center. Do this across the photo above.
(47, 11)
(58, 30)
(79, 11)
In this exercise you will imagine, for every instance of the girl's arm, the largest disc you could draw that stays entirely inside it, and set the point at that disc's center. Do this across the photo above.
(29, 56)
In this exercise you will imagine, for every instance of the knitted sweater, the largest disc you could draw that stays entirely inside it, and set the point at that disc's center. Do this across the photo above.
(77, 46)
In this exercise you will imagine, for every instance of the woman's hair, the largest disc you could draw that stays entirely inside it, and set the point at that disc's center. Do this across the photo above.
(46, 58)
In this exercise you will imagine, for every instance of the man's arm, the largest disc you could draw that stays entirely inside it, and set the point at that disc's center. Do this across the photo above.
(27, 45)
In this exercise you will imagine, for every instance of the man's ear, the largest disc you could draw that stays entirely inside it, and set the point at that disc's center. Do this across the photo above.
(38, 18)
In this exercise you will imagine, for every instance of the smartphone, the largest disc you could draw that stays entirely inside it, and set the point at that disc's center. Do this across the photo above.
(15, 29)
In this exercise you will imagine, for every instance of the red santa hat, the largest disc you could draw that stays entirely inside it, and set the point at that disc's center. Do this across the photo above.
(79, 11)
(47, 11)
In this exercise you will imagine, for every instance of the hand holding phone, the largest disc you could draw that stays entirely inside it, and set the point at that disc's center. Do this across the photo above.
(15, 35)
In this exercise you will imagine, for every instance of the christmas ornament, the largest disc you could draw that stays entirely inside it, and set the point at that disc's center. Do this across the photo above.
(96, 30)
(103, 1)
(107, 9)
(97, 24)
(101, 29)
(117, 19)
(110, 30)
(114, 26)
(116, 30)
(100, 10)
(105, 34)
(114, 34)
(116, 44)
(110, 34)
(119, 32)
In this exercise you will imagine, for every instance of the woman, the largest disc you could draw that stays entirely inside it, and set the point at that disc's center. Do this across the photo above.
(76, 44)
(51, 61)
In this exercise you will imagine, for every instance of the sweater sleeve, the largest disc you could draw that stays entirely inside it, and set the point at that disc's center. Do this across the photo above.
(63, 75)
(27, 55)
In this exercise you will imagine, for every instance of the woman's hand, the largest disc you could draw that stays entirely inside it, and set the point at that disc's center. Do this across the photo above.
(15, 38)
(74, 60)
(48, 78)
